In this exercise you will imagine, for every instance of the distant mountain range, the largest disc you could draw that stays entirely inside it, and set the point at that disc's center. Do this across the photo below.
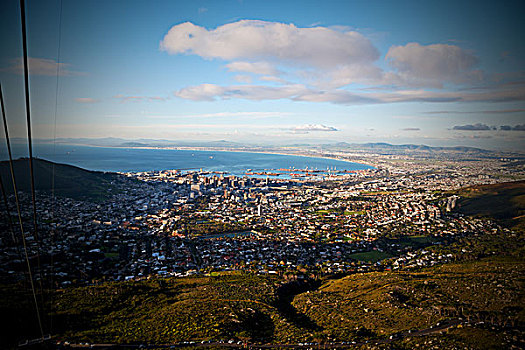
(377, 147)
(383, 146)
(118, 142)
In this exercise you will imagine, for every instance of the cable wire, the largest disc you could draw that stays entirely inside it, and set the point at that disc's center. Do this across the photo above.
(15, 190)
(53, 204)
(30, 141)
(28, 116)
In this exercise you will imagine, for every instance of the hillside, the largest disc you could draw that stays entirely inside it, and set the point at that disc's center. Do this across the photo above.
(473, 300)
(383, 304)
(503, 201)
(69, 181)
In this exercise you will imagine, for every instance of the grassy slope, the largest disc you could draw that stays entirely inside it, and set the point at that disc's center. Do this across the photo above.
(245, 307)
(230, 306)
(504, 201)
(357, 307)
(380, 304)
(69, 181)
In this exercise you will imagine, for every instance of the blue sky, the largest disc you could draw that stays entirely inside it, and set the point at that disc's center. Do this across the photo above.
(271, 72)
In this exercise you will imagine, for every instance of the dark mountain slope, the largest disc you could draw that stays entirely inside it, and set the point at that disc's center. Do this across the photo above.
(503, 201)
(69, 181)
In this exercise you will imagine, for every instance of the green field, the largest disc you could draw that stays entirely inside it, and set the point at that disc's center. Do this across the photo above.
(416, 241)
(372, 256)
(360, 212)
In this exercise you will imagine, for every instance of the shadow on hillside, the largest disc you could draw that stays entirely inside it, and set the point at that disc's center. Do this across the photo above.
(285, 296)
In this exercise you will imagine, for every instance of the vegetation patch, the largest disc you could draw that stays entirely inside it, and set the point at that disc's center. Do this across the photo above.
(372, 256)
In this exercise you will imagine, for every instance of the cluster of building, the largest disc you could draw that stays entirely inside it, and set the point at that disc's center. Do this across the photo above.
(173, 223)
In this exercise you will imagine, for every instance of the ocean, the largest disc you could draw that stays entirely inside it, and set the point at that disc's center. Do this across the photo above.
(140, 160)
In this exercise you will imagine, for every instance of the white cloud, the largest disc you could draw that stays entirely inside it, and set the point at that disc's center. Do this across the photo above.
(497, 111)
(263, 68)
(334, 96)
(41, 66)
(320, 64)
(249, 114)
(313, 127)
(497, 94)
(260, 40)
(241, 78)
(432, 65)
(299, 92)
(125, 98)
(273, 79)
(156, 98)
(210, 92)
(296, 92)
(353, 73)
(86, 100)
(244, 114)
(328, 57)
(203, 92)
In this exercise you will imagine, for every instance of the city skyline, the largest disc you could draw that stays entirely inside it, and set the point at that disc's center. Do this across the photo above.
(271, 73)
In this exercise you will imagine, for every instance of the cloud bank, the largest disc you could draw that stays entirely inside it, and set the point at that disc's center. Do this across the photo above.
(301, 92)
(329, 64)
